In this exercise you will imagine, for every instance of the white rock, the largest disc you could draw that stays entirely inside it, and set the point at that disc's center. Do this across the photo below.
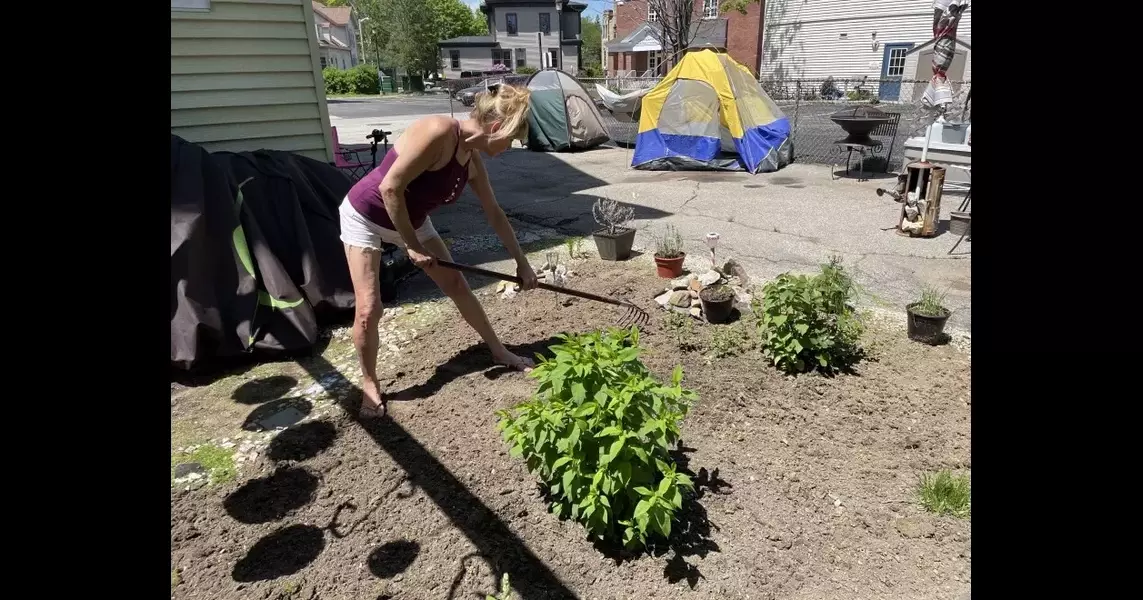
(664, 300)
(682, 282)
(709, 278)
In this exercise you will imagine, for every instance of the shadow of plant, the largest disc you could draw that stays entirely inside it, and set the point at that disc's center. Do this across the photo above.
(281, 553)
(272, 497)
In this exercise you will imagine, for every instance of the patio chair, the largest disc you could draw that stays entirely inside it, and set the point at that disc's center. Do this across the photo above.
(888, 130)
(347, 160)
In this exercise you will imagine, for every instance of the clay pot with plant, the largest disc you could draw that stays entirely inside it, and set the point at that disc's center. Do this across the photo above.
(717, 303)
(927, 317)
(669, 253)
(615, 236)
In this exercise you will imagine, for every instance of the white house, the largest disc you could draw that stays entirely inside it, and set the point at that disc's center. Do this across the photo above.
(336, 36)
(524, 33)
(851, 39)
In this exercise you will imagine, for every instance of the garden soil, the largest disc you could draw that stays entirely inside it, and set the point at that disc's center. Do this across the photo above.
(805, 486)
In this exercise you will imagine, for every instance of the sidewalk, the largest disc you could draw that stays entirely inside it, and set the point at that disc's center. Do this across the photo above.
(352, 132)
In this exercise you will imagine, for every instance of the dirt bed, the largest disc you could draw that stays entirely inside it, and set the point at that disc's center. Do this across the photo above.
(805, 485)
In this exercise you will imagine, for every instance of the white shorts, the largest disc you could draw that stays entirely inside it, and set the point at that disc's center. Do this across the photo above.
(358, 231)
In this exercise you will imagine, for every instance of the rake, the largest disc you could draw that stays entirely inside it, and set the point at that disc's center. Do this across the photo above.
(632, 314)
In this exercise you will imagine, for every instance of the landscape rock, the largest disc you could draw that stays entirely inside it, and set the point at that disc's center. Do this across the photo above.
(681, 299)
(710, 278)
(695, 285)
(733, 269)
(696, 312)
(915, 527)
(682, 282)
(190, 468)
(694, 294)
(664, 299)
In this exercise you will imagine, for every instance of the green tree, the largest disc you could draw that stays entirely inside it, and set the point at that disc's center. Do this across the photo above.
(452, 19)
(592, 35)
(739, 5)
(479, 22)
(412, 42)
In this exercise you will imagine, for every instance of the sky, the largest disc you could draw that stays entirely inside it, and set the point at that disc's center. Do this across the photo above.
(594, 7)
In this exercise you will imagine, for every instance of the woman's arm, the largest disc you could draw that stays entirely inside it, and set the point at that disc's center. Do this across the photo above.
(421, 149)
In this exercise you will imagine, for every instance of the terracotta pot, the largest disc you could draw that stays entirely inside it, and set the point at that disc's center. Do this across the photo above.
(670, 268)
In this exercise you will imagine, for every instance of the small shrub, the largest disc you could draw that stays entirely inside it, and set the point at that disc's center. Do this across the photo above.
(809, 322)
(682, 329)
(730, 340)
(597, 433)
(858, 95)
(591, 72)
(361, 79)
(526, 70)
(670, 245)
(931, 303)
(946, 494)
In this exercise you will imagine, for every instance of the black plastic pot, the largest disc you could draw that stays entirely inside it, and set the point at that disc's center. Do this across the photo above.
(716, 311)
(614, 246)
(926, 329)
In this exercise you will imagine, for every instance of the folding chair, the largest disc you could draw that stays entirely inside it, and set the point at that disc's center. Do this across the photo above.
(347, 160)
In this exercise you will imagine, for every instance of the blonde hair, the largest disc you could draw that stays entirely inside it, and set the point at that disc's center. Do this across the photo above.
(507, 104)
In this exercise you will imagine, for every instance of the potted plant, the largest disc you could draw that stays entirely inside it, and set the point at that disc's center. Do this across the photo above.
(927, 317)
(615, 236)
(717, 302)
(669, 253)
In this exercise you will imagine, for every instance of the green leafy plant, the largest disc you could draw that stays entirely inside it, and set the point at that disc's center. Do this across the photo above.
(574, 246)
(598, 432)
(682, 329)
(730, 340)
(808, 322)
(505, 590)
(946, 494)
(361, 79)
(931, 303)
(670, 244)
(526, 70)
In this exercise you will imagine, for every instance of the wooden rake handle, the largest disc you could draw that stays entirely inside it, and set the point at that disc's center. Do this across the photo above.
(518, 281)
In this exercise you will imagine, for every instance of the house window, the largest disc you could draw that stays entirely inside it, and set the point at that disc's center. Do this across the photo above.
(323, 62)
(652, 13)
(896, 66)
(454, 59)
(501, 57)
(709, 9)
(654, 59)
(325, 32)
(546, 23)
(190, 5)
(521, 57)
(511, 21)
(554, 58)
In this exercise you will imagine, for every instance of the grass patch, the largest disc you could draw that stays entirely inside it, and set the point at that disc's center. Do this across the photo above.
(681, 328)
(945, 494)
(218, 462)
(175, 579)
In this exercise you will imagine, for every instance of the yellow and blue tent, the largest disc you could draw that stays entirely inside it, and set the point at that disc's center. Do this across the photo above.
(710, 113)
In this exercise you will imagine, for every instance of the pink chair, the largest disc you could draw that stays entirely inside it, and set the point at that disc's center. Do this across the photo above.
(347, 160)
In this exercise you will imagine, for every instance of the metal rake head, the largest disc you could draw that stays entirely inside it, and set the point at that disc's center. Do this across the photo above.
(632, 315)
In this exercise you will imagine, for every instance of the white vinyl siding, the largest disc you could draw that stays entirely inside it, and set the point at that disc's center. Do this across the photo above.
(245, 76)
(804, 40)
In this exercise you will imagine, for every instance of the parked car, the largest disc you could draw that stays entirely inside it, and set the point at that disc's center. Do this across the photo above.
(467, 96)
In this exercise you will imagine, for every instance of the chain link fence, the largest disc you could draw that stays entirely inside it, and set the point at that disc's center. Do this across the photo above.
(808, 104)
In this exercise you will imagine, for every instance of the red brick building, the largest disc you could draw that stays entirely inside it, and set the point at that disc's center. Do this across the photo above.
(636, 46)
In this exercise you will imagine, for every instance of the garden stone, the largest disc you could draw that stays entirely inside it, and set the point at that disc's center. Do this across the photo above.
(696, 312)
(664, 300)
(915, 527)
(682, 282)
(710, 278)
(694, 295)
(681, 299)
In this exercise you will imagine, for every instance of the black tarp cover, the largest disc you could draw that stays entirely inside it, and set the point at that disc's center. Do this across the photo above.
(255, 253)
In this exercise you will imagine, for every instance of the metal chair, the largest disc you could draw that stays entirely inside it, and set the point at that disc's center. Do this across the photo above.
(341, 159)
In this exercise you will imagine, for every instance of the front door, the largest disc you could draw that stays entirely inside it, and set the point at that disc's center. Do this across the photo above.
(892, 71)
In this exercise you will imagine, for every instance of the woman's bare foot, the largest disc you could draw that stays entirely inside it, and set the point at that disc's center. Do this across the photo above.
(373, 406)
(513, 361)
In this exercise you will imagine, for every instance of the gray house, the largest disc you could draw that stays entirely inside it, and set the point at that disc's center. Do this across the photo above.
(532, 33)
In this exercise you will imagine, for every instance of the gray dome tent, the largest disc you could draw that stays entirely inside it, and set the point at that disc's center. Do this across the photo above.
(563, 115)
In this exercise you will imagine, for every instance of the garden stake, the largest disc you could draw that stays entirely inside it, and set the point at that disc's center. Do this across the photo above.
(632, 315)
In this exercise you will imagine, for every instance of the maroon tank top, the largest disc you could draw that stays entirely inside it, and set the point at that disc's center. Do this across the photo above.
(424, 194)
